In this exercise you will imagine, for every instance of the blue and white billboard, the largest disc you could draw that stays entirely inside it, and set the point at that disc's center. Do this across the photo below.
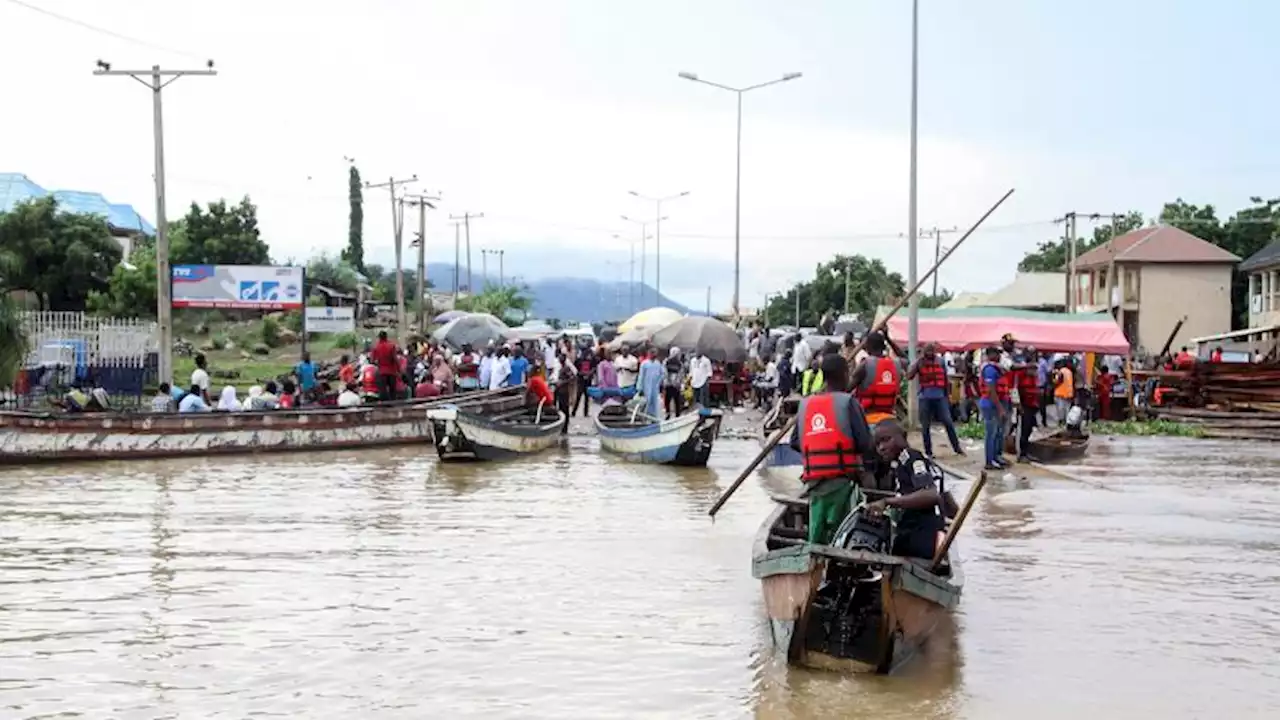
(258, 287)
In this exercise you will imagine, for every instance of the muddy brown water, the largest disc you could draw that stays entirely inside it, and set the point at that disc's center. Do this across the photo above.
(380, 584)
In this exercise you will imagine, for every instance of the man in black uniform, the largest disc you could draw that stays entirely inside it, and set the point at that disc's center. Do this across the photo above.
(917, 481)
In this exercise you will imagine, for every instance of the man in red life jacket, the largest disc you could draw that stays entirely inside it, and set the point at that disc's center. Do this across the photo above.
(1184, 360)
(468, 369)
(384, 355)
(1029, 395)
(933, 397)
(832, 436)
(369, 381)
(994, 404)
(876, 380)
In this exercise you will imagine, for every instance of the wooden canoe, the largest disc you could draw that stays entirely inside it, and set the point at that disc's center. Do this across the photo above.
(467, 433)
(684, 440)
(900, 605)
(27, 438)
(1056, 447)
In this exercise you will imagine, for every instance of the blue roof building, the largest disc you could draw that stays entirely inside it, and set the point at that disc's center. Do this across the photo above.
(122, 218)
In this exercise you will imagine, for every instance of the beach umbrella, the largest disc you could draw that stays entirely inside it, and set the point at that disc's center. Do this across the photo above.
(706, 335)
(474, 329)
(654, 318)
(631, 338)
(448, 315)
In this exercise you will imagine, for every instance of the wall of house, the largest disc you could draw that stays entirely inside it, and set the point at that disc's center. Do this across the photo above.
(1264, 297)
(1168, 291)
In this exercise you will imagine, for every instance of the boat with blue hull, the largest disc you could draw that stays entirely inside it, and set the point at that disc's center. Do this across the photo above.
(684, 440)
(460, 435)
(782, 463)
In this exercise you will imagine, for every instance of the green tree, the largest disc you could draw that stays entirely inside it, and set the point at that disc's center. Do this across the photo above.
(221, 235)
(13, 336)
(932, 301)
(870, 285)
(501, 302)
(1051, 255)
(353, 255)
(59, 257)
(330, 272)
(131, 291)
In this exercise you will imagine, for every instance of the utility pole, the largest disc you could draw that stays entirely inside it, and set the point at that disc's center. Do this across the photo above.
(457, 261)
(466, 222)
(423, 202)
(1072, 299)
(936, 232)
(644, 235)
(846, 284)
(797, 308)
(397, 222)
(708, 301)
(156, 81)
(502, 280)
(657, 201)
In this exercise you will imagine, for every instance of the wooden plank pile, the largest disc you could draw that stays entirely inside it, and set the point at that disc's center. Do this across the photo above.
(1228, 400)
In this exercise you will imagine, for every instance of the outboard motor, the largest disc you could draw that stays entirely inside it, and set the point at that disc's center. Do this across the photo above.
(845, 614)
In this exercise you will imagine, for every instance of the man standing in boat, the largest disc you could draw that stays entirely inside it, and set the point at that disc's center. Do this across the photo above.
(877, 379)
(916, 479)
(832, 436)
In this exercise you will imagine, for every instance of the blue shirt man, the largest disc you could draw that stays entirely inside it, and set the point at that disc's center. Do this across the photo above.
(519, 366)
(306, 372)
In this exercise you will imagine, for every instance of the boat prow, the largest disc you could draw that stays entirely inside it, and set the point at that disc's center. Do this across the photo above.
(460, 435)
(684, 440)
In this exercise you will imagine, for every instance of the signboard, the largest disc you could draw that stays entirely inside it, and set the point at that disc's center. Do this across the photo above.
(331, 319)
(256, 287)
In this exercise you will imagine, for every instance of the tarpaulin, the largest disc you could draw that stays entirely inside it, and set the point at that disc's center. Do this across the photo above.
(975, 328)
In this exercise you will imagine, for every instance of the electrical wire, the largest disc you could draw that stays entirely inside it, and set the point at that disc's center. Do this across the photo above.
(104, 31)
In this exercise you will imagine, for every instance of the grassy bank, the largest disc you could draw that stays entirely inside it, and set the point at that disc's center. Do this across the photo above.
(1132, 428)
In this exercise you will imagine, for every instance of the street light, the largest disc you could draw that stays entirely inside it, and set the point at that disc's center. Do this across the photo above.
(737, 193)
(657, 201)
(644, 235)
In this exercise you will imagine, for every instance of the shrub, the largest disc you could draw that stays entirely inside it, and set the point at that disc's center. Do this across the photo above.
(270, 332)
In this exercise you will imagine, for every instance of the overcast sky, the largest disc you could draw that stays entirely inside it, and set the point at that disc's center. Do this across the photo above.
(542, 115)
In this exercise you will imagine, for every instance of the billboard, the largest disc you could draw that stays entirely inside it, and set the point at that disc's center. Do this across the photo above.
(256, 287)
(330, 319)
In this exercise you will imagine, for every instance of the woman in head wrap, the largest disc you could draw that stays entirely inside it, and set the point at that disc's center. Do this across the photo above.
(228, 401)
(442, 374)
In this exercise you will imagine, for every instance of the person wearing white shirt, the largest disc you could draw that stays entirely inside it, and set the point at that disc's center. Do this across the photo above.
(349, 397)
(627, 367)
(500, 371)
(699, 377)
(801, 356)
(200, 377)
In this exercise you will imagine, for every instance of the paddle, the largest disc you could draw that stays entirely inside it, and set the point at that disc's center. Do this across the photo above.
(959, 520)
(775, 438)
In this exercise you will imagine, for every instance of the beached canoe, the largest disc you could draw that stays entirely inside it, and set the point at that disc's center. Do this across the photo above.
(462, 433)
(684, 440)
(846, 610)
(53, 437)
(1055, 447)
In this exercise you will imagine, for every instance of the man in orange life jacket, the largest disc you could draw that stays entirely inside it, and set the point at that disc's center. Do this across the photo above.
(832, 436)
(877, 379)
(933, 398)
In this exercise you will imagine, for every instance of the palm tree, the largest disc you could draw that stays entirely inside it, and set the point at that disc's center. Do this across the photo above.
(13, 342)
(499, 301)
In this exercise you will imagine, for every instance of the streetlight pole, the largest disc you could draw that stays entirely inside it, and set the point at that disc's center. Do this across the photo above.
(657, 201)
(644, 235)
(913, 325)
(737, 192)
(164, 276)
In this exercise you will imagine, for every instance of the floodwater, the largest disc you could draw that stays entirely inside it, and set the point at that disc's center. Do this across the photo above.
(380, 584)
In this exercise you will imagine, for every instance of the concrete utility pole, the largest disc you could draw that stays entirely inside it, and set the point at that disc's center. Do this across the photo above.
(457, 260)
(708, 301)
(936, 233)
(1072, 299)
(913, 320)
(657, 201)
(156, 80)
(423, 202)
(466, 222)
(644, 235)
(397, 223)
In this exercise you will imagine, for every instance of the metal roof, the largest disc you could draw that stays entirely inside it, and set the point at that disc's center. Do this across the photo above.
(1159, 244)
(1030, 291)
(1264, 258)
(16, 188)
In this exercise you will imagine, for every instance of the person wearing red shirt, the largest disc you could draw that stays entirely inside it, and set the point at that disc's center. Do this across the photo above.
(1216, 355)
(539, 391)
(346, 371)
(384, 355)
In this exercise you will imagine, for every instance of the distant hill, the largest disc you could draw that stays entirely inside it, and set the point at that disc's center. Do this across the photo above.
(568, 298)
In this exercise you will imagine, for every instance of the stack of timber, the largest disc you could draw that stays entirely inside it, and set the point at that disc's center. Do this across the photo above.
(1227, 400)
(1239, 424)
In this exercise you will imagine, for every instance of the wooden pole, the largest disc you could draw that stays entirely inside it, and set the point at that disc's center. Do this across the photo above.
(959, 520)
(786, 429)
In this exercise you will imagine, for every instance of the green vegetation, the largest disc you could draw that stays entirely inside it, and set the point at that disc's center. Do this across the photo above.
(271, 332)
(1135, 428)
(870, 285)
(1244, 233)
(501, 302)
(60, 258)
(13, 342)
(353, 255)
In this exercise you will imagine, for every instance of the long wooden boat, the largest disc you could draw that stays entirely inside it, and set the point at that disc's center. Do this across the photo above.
(783, 464)
(684, 440)
(846, 610)
(467, 433)
(54, 437)
(1056, 447)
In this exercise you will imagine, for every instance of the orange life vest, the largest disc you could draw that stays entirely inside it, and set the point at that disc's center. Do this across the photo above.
(826, 439)
(882, 394)
(1183, 360)
(1028, 388)
(932, 374)
(369, 380)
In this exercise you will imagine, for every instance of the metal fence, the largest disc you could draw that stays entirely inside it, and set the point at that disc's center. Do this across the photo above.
(119, 354)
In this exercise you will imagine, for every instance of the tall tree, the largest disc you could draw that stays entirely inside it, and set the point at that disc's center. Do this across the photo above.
(353, 255)
(221, 235)
(501, 302)
(59, 257)
(870, 284)
(131, 291)
(1051, 255)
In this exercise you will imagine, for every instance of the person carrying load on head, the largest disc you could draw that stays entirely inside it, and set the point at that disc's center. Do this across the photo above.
(877, 379)
(832, 437)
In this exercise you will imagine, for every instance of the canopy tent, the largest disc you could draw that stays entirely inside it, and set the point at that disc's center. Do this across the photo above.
(978, 327)
(653, 319)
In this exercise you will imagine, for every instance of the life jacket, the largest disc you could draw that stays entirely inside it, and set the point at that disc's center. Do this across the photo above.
(1028, 388)
(1183, 360)
(811, 382)
(882, 394)
(369, 380)
(1002, 385)
(467, 367)
(286, 401)
(826, 438)
(932, 375)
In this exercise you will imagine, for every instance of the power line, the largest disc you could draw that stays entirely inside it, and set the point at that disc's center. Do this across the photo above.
(104, 31)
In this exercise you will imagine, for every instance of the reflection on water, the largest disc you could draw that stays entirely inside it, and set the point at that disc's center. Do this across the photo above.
(382, 584)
